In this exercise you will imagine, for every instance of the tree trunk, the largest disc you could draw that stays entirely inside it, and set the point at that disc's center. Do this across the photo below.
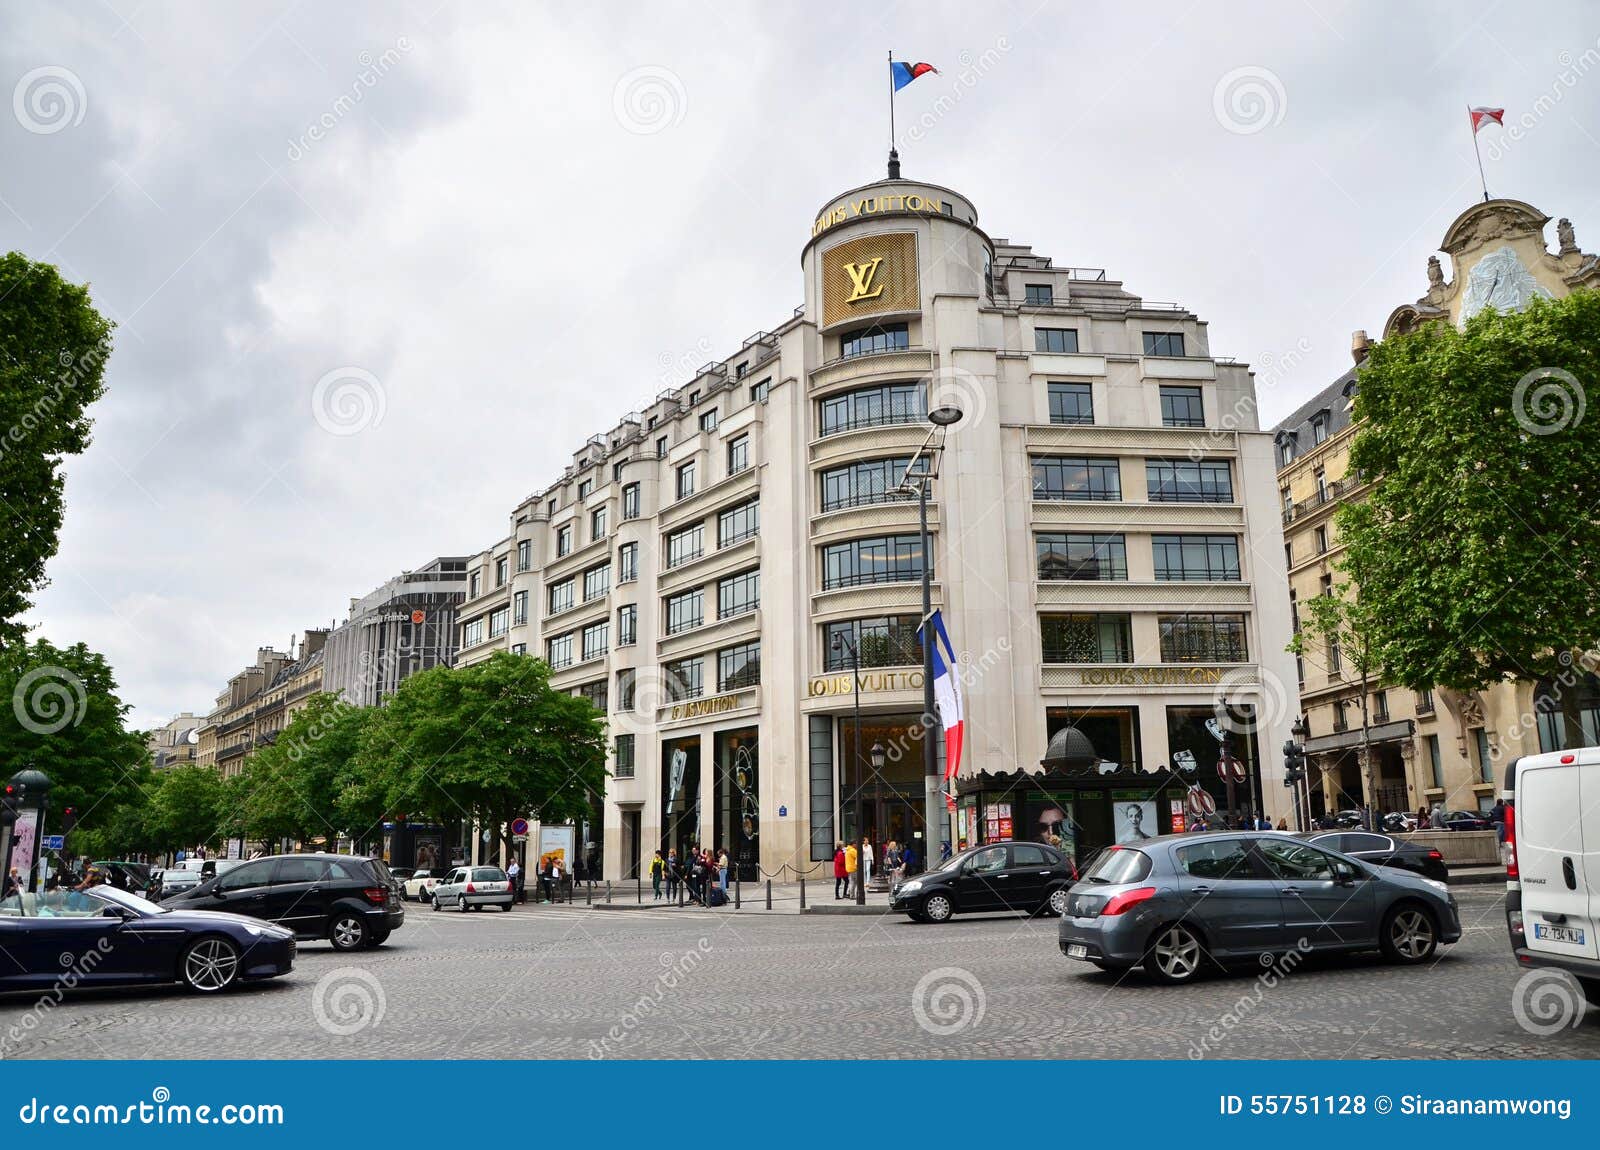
(1366, 756)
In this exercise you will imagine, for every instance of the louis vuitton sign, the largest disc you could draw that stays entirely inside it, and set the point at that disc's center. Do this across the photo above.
(870, 275)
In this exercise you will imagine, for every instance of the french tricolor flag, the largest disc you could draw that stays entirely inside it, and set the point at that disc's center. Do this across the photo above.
(946, 695)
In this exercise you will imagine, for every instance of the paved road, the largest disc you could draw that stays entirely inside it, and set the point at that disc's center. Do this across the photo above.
(575, 983)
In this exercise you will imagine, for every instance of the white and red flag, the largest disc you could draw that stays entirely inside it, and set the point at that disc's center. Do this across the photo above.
(1482, 116)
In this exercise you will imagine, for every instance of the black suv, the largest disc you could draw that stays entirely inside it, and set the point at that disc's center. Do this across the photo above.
(352, 902)
(1028, 877)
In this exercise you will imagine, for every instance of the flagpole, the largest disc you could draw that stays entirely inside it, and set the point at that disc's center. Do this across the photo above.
(1476, 151)
(891, 99)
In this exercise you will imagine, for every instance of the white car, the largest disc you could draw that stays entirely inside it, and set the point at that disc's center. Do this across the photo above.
(469, 887)
(419, 887)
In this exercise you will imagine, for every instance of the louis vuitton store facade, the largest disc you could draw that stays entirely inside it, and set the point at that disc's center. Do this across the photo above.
(711, 571)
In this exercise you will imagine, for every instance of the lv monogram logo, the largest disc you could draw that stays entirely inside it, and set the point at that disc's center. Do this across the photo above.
(861, 279)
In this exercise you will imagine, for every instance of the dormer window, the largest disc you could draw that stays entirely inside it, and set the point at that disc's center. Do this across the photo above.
(1319, 428)
(1039, 294)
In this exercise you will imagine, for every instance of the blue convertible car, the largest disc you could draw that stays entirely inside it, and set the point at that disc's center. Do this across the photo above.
(108, 937)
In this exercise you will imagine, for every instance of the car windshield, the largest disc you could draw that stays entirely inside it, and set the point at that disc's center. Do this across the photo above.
(126, 899)
(488, 874)
(1116, 865)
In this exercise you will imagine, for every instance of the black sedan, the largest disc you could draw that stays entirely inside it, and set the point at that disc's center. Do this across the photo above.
(1027, 877)
(1468, 821)
(108, 937)
(1381, 850)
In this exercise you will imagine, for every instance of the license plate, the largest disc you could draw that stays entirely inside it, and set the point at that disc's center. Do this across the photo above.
(1566, 934)
(1077, 950)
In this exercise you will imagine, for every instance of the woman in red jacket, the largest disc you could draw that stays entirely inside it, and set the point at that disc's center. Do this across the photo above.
(841, 877)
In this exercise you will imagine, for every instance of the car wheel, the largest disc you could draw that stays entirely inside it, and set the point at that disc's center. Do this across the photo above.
(436, 903)
(461, 903)
(1591, 990)
(938, 908)
(348, 931)
(1175, 954)
(506, 907)
(1056, 904)
(1409, 934)
(210, 965)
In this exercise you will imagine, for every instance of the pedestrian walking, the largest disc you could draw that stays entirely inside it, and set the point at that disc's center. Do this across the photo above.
(658, 865)
(841, 877)
(547, 879)
(1283, 824)
(514, 873)
(867, 859)
(851, 875)
(908, 859)
(722, 869)
(674, 873)
(1436, 819)
(1497, 818)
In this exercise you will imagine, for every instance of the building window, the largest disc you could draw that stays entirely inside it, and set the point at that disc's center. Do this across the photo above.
(1380, 706)
(1202, 638)
(684, 679)
(685, 480)
(1182, 407)
(1163, 343)
(875, 339)
(563, 540)
(885, 641)
(1086, 638)
(1196, 558)
(885, 559)
(626, 680)
(596, 581)
(686, 612)
(1435, 761)
(682, 546)
(597, 524)
(519, 608)
(630, 501)
(1322, 485)
(472, 632)
(739, 667)
(1319, 429)
(596, 640)
(558, 650)
(1172, 481)
(708, 420)
(502, 571)
(1068, 477)
(519, 648)
(860, 484)
(738, 594)
(595, 692)
(550, 508)
(1038, 294)
(1067, 555)
(585, 486)
(1321, 534)
(1480, 739)
(627, 625)
(661, 447)
(560, 596)
(524, 554)
(1059, 340)
(738, 454)
(874, 407)
(759, 393)
(622, 766)
(1286, 452)
(737, 524)
(1071, 403)
(1335, 659)
(1424, 702)
(616, 468)
(738, 372)
(474, 584)
(1341, 715)
(1325, 586)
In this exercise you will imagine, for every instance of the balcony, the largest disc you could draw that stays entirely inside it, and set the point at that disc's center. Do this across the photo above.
(897, 361)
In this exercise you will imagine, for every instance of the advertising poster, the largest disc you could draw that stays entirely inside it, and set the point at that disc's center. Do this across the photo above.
(1133, 817)
(429, 849)
(555, 843)
(1055, 824)
(23, 837)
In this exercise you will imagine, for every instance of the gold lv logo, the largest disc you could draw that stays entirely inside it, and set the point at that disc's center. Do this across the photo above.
(861, 277)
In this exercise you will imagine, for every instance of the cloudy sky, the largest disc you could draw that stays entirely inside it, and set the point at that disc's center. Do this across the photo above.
(500, 226)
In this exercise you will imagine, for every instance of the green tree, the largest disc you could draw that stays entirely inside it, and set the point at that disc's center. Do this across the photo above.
(1476, 550)
(186, 808)
(307, 784)
(1341, 624)
(53, 351)
(488, 742)
(60, 714)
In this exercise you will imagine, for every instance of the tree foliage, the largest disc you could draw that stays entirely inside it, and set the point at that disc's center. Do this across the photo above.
(53, 351)
(1476, 550)
(306, 784)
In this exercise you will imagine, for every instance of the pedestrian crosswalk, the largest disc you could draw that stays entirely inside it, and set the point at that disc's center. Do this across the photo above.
(569, 913)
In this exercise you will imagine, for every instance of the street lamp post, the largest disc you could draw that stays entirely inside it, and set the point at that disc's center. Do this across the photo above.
(1301, 730)
(855, 699)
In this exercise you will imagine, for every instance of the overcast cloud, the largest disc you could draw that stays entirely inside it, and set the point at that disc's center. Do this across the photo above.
(523, 220)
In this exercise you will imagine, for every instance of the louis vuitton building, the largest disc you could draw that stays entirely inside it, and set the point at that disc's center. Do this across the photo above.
(1106, 546)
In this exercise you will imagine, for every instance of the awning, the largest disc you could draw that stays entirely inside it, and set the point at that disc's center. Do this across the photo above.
(1345, 740)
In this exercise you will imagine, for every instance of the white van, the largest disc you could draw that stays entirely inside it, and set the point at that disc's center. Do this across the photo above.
(1552, 857)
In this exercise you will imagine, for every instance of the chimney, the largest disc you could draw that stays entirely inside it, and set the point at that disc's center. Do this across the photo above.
(1359, 346)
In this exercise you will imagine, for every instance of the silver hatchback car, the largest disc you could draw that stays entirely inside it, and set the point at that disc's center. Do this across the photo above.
(1172, 903)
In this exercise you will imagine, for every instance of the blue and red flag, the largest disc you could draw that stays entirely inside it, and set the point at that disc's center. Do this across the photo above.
(903, 73)
(946, 696)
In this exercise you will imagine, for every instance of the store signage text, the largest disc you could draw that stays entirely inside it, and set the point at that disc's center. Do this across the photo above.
(1151, 676)
(699, 707)
(861, 277)
(870, 681)
(876, 206)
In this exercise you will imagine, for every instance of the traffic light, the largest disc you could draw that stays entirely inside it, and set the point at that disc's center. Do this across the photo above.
(8, 806)
(69, 819)
(1294, 763)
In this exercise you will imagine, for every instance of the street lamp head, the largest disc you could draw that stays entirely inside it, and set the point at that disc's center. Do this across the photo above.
(944, 416)
(878, 755)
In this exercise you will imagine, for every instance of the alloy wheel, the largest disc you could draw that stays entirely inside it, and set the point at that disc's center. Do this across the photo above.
(461, 903)
(937, 908)
(211, 964)
(1411, 934)
(1176, 954)
(348, 933)
(1058, 901)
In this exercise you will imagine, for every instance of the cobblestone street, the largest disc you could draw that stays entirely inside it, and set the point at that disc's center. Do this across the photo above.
(571, 982)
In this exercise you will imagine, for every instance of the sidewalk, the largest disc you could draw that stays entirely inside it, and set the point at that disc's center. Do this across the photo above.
(752, 898)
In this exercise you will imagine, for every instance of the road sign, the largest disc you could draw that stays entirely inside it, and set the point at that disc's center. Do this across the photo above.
(1200, 803)
(55, 842)
(783, 812)
(519, 826)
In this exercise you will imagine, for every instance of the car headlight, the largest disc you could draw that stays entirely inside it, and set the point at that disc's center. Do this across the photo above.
(911, 887)
(253, 930)
(1437, 885)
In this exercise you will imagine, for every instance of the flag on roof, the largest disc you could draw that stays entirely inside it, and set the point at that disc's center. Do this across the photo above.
(1480, 116)
(903, 73)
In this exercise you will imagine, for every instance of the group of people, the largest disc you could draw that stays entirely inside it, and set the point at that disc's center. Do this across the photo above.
(853, 864)
(699, 874)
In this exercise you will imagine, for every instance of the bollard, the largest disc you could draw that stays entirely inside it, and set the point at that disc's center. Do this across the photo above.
(608, 892)
(736, 887)
(680, 894)
(638, 881)
(802, 892)
(769, 894)
(588, 893)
